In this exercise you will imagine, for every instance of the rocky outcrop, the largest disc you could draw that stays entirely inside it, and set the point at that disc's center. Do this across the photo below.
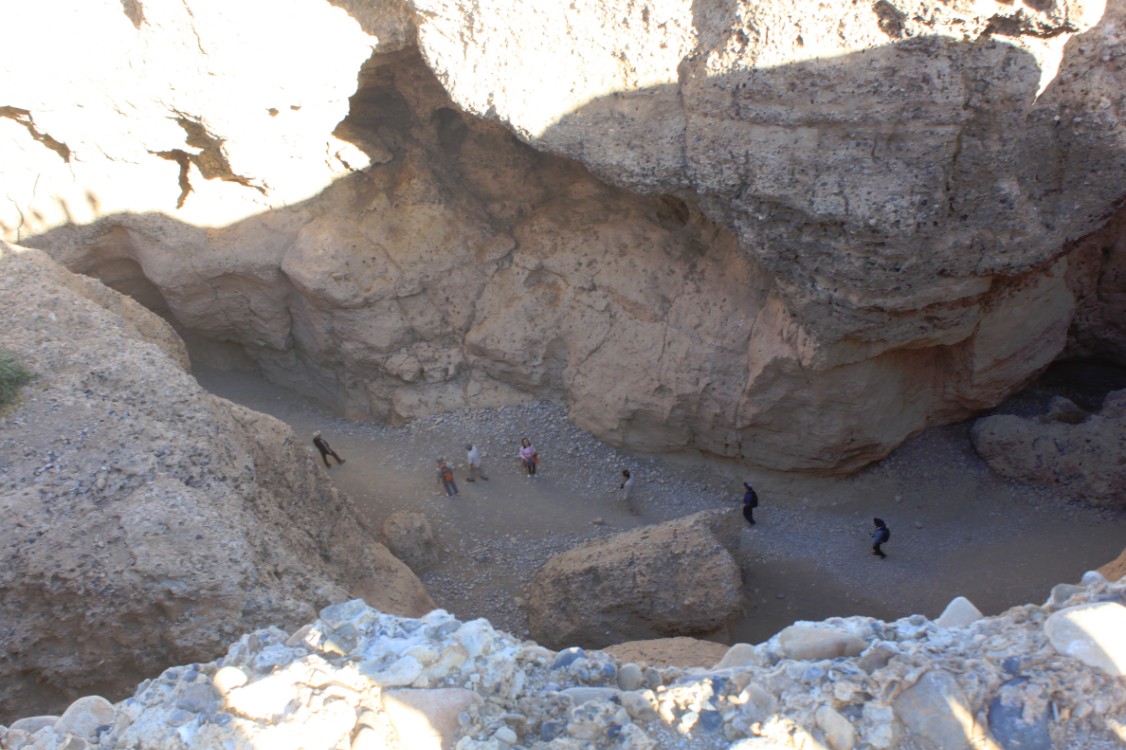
(409, 537)
(675, 578)
(1080, 456)
(1034, 677)
(145, 521)
(829, 228)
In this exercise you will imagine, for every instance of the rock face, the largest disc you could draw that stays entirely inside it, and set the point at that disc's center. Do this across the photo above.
(829, 228)
(362, 679)
(675, 578)
(1082, 457)
(147, 522)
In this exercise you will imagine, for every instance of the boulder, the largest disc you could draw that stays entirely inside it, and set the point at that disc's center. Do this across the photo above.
(146, 521)
(1081, 460)
(935, 710)
(660, 581)
(959, 613)
(427, 719)
(1091, 633)
(409, 537)
(817, 642)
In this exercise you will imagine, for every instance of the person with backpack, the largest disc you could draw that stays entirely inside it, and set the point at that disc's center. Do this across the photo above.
(446, 476)
(880, 535)
(750, 502)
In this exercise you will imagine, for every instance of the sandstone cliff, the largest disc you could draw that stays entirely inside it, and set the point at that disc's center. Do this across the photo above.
(145, 521)
(805, 233)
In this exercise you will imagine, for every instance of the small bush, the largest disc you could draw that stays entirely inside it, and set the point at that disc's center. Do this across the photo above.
(12, 376)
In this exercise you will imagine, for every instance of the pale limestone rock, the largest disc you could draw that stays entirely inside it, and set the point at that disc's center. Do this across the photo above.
(739, 655)
(32, 724)
(630, 677)
(427, 719)
(179, 108)
(663, 580)
(1092, 633)
(814, 642)
(935, 710)
(838, 730)
(228, 679)
(959, 613)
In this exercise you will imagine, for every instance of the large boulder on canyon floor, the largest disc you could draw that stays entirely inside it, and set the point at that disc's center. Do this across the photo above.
(147, 522)
(675, 578)
(1082, 459)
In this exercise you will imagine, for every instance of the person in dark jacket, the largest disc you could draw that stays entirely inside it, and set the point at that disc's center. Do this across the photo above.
(880, 535)
(325, 449)
(750, 502)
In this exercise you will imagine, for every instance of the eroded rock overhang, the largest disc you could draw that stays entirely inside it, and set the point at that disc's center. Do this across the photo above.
(792, 238)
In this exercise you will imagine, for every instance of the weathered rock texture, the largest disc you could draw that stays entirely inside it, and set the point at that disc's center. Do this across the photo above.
(1034, 677)
(1082, 457)
(1116, 568)
(856, 221)
(675, 578)
(147, 522)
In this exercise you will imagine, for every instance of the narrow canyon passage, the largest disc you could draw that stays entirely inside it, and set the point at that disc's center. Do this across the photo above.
(957, 529)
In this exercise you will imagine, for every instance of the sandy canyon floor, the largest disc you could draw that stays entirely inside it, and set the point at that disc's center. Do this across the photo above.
(957, 528)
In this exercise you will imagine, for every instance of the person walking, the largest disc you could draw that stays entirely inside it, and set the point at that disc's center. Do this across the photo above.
(473, 460)
(325, 449)
(446, 476)
(750, 502)
(880, 535)
(626, 487)
(528, 456)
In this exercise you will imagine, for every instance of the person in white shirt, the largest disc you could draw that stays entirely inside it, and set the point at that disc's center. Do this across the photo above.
(473, 458)
(628, 481)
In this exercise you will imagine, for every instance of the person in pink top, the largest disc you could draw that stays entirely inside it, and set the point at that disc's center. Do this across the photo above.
(528, 456)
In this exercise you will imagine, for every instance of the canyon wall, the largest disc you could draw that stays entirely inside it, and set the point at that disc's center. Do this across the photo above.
(147, 522)
(793, 237)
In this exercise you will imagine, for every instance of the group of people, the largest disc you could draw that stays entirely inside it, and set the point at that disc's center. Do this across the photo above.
(529, 458)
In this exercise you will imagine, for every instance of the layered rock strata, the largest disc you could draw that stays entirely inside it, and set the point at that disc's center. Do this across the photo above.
(147, 522)
(1035, 677)
(856, 219)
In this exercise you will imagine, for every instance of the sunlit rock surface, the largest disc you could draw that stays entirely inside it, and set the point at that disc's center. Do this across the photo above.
(357, 678)
(805, 234)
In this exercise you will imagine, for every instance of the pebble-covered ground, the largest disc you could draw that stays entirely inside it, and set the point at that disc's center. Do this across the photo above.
(957, 529)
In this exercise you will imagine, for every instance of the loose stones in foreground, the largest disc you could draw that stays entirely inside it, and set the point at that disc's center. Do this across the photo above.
(359, 679)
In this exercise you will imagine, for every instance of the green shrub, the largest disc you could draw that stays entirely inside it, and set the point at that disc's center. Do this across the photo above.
(12, 376)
